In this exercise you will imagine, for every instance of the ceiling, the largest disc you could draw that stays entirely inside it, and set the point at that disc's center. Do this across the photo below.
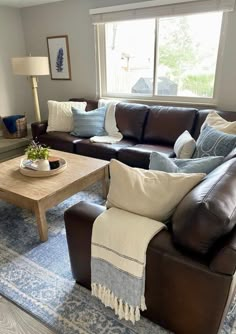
(24, 3)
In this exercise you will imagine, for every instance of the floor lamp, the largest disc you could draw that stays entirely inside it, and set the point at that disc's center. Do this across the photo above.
(32, 67)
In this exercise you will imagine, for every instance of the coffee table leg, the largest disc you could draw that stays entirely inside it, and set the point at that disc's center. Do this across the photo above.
(41, 222)
(105, 183)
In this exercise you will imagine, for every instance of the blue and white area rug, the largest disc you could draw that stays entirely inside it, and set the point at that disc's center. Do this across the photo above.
(37, 276)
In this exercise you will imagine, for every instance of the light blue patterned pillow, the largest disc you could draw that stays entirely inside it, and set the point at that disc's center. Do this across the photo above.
(89, 124)
(161, 162)
(212, 142)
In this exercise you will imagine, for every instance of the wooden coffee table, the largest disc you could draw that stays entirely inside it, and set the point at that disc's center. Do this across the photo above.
(40, 194)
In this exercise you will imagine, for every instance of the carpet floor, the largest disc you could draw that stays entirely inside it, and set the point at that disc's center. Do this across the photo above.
(37, 276)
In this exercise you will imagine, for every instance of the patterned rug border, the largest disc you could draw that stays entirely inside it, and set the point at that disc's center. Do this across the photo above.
(27, 264)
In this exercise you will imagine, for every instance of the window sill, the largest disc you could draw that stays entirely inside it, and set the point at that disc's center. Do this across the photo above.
(154, 101)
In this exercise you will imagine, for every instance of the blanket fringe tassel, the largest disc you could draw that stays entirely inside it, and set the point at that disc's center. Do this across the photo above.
(122, 309)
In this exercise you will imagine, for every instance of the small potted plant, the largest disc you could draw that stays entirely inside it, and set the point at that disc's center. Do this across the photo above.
(39, 154)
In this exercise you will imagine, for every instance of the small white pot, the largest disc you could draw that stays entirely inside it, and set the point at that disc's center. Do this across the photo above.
(43, 164)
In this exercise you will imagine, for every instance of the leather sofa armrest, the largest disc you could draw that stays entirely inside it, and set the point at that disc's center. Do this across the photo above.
(38, 128)
(224, 258)
(79, 221)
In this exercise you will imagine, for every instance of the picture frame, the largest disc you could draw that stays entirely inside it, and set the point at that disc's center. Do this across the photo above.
(59, 57)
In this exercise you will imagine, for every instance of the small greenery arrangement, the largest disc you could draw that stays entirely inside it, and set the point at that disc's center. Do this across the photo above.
(36, 151)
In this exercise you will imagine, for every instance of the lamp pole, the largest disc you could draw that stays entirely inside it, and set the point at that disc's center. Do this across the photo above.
(32, 67)
(36, 99)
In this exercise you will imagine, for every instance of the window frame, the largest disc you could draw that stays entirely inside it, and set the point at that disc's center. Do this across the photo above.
(101, 75)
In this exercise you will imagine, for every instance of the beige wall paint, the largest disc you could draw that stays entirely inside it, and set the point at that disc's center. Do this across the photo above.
(71, 17)
(15, 93)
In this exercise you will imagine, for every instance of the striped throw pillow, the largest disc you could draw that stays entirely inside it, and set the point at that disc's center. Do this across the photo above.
(89, 124)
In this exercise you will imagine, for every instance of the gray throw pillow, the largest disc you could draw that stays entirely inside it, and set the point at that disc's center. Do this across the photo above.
(89, 124)
(212, 142)
(161, 162)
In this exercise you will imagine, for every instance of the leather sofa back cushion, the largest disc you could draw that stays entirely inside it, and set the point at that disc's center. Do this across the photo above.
(202, 115)
(130, 119)
(91, 104)
(208, 212)
(165, 124)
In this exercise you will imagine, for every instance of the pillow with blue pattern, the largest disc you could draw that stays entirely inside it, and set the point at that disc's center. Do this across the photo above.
(162, 163)
(212, 142)
(89, 124)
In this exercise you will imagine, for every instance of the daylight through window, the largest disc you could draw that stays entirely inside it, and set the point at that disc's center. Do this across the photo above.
(169, 56)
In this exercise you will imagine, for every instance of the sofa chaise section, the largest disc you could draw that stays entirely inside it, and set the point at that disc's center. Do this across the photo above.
(188, 291)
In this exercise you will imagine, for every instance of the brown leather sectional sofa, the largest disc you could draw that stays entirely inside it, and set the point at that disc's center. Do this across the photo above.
(191, 267)
(144, 128)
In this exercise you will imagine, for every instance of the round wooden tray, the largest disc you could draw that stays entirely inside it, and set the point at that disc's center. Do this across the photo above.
(42, 173)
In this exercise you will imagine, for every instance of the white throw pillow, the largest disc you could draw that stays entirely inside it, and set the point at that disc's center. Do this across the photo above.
(184, 146)
(60, 117)
(214, 120)
(152, 194)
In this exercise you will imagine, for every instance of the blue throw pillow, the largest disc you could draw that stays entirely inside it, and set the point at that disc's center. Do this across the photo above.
(161, 162)
(212, 142)
(89, 124)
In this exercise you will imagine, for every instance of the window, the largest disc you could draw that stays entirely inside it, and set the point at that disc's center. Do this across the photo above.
(130, 56)
(171, 57)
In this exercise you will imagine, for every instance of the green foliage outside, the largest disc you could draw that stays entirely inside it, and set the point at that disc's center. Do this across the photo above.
(201, 84)
(181, 56)
(177, 50)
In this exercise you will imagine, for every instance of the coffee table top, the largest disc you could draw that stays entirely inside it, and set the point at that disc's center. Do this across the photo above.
(78, 167)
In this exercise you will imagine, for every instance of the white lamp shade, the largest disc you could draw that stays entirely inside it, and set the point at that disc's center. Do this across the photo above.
(32, 66)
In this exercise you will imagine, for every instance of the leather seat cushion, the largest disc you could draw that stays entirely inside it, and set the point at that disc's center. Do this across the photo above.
(61, 141)
(139, 155)
(100, 150)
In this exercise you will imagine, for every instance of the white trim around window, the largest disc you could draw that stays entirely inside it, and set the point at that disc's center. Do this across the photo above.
(102, 75)
(158, 8)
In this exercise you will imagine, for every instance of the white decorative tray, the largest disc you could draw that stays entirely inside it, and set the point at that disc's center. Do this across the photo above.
(38, 173)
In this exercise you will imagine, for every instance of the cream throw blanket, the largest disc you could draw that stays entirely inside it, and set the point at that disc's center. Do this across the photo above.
(119, 243)
(114, 135)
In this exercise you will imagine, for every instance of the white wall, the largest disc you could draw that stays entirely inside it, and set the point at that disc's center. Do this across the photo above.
(15, 91)
(71, 17)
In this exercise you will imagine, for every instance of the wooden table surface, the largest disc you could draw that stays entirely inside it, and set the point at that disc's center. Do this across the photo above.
(40, 194)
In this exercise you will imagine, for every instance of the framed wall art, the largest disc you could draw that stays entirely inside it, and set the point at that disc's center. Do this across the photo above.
(59, 57)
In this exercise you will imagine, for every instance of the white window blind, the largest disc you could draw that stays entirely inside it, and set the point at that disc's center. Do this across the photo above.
(158, 8)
